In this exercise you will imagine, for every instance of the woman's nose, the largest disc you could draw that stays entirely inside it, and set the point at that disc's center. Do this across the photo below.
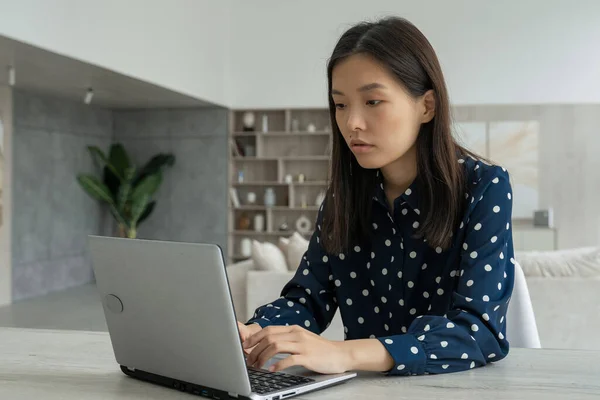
(355, 122)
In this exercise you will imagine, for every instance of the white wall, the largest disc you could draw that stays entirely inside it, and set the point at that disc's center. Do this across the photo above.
(178, 44)
(534, 51)
(5, 238)
(272, 53)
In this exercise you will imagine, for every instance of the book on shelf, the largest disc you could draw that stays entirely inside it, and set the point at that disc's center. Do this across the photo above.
(236, 149)
(235, 200)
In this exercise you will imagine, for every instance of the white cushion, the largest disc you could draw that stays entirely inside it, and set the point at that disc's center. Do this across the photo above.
(268, 257)
(296, 248)
(578, 262)
(283, 244)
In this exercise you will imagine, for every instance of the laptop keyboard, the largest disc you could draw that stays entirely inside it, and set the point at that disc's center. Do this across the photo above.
(264, 381)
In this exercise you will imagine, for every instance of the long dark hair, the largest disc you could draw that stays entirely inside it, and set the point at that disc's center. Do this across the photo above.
(399, 45)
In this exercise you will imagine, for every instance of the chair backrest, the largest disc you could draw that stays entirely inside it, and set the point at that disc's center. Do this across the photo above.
(521, 328)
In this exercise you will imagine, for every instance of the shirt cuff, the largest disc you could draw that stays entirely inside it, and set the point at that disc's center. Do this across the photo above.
(263, 322)
(408, 354)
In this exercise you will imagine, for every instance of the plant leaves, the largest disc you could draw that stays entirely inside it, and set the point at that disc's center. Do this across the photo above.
(95, 152)
(148, 186)
(111, 181)
(118, 216)
(95, 188)
(119, 159)
(98, 191)
(147, 212)
(156, 164)
(125, 189)
(128, 194)
(138, 205)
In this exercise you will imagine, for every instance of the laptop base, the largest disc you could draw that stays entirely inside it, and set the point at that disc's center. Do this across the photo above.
(182, 386)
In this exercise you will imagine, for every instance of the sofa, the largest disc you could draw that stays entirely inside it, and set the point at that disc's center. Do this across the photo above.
(564, 286)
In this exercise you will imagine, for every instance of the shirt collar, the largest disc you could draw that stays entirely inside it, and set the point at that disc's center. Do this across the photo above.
(410, 196)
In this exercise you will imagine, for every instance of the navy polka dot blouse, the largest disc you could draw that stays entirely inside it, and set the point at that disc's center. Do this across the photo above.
(434, 311)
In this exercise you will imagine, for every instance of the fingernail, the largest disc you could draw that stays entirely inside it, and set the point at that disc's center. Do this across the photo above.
(271, 368)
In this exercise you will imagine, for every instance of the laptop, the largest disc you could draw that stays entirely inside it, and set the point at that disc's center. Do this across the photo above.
(171, 321)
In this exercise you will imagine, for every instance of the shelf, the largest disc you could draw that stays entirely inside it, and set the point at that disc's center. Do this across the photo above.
(279, 134)
(276, 208)
(287, 150)
(306, 158)
(289, 158)
(268, 183)
(240, 158)
(278, 233)
(310, 183)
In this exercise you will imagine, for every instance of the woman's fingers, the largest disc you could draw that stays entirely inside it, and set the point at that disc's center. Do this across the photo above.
(253, 340)
(290, 361)
(276, 348)
(274, 339)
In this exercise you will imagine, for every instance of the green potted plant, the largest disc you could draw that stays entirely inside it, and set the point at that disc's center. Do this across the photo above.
(127, 190)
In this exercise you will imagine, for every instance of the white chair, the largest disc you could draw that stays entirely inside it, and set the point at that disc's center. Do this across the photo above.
(521, 328)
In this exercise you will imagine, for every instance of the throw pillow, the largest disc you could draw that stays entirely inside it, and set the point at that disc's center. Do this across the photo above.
(268, 257)
(283, 246)
(576, 262)
(296, 247)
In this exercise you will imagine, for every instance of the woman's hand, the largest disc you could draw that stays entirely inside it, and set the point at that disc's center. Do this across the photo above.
(306, 348)
(247, 331)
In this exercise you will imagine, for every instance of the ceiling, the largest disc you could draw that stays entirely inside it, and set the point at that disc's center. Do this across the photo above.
(48, 72)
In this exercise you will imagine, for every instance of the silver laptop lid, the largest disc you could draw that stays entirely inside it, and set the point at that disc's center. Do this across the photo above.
(160, 299)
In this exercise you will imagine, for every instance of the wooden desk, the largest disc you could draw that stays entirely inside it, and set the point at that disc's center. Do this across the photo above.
(52, 365)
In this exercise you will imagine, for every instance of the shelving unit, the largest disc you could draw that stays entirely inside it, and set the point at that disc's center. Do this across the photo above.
(259, 160)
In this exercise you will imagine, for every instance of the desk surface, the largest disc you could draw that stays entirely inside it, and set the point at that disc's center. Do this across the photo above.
(65, 365)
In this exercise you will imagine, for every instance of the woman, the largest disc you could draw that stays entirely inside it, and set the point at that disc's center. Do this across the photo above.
(413, 242)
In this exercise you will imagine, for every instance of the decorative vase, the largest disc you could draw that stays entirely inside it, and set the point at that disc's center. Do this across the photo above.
(303, 201)
(270, 198)
(295, 125)
(244, 223)
(246, 247)
(248, 121)
(259, 223)
(303, 225)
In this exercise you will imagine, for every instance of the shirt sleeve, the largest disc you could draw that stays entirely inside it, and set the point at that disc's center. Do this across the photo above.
(308, 299)
(472, 333)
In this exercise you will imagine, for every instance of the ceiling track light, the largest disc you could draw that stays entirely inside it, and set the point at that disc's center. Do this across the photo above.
(12, 78)
(88, 96)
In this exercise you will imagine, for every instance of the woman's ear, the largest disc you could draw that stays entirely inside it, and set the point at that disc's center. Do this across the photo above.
(427, 106)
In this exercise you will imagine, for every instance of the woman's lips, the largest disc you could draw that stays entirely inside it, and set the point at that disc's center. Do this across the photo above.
(362, 148)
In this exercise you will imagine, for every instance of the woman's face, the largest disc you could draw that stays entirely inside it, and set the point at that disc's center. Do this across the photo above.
(377, 117)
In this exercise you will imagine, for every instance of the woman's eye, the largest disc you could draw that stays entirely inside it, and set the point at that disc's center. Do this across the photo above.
(339, 106)
(373, 102)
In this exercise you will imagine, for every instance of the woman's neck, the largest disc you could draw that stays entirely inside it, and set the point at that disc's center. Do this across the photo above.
(399, 175)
